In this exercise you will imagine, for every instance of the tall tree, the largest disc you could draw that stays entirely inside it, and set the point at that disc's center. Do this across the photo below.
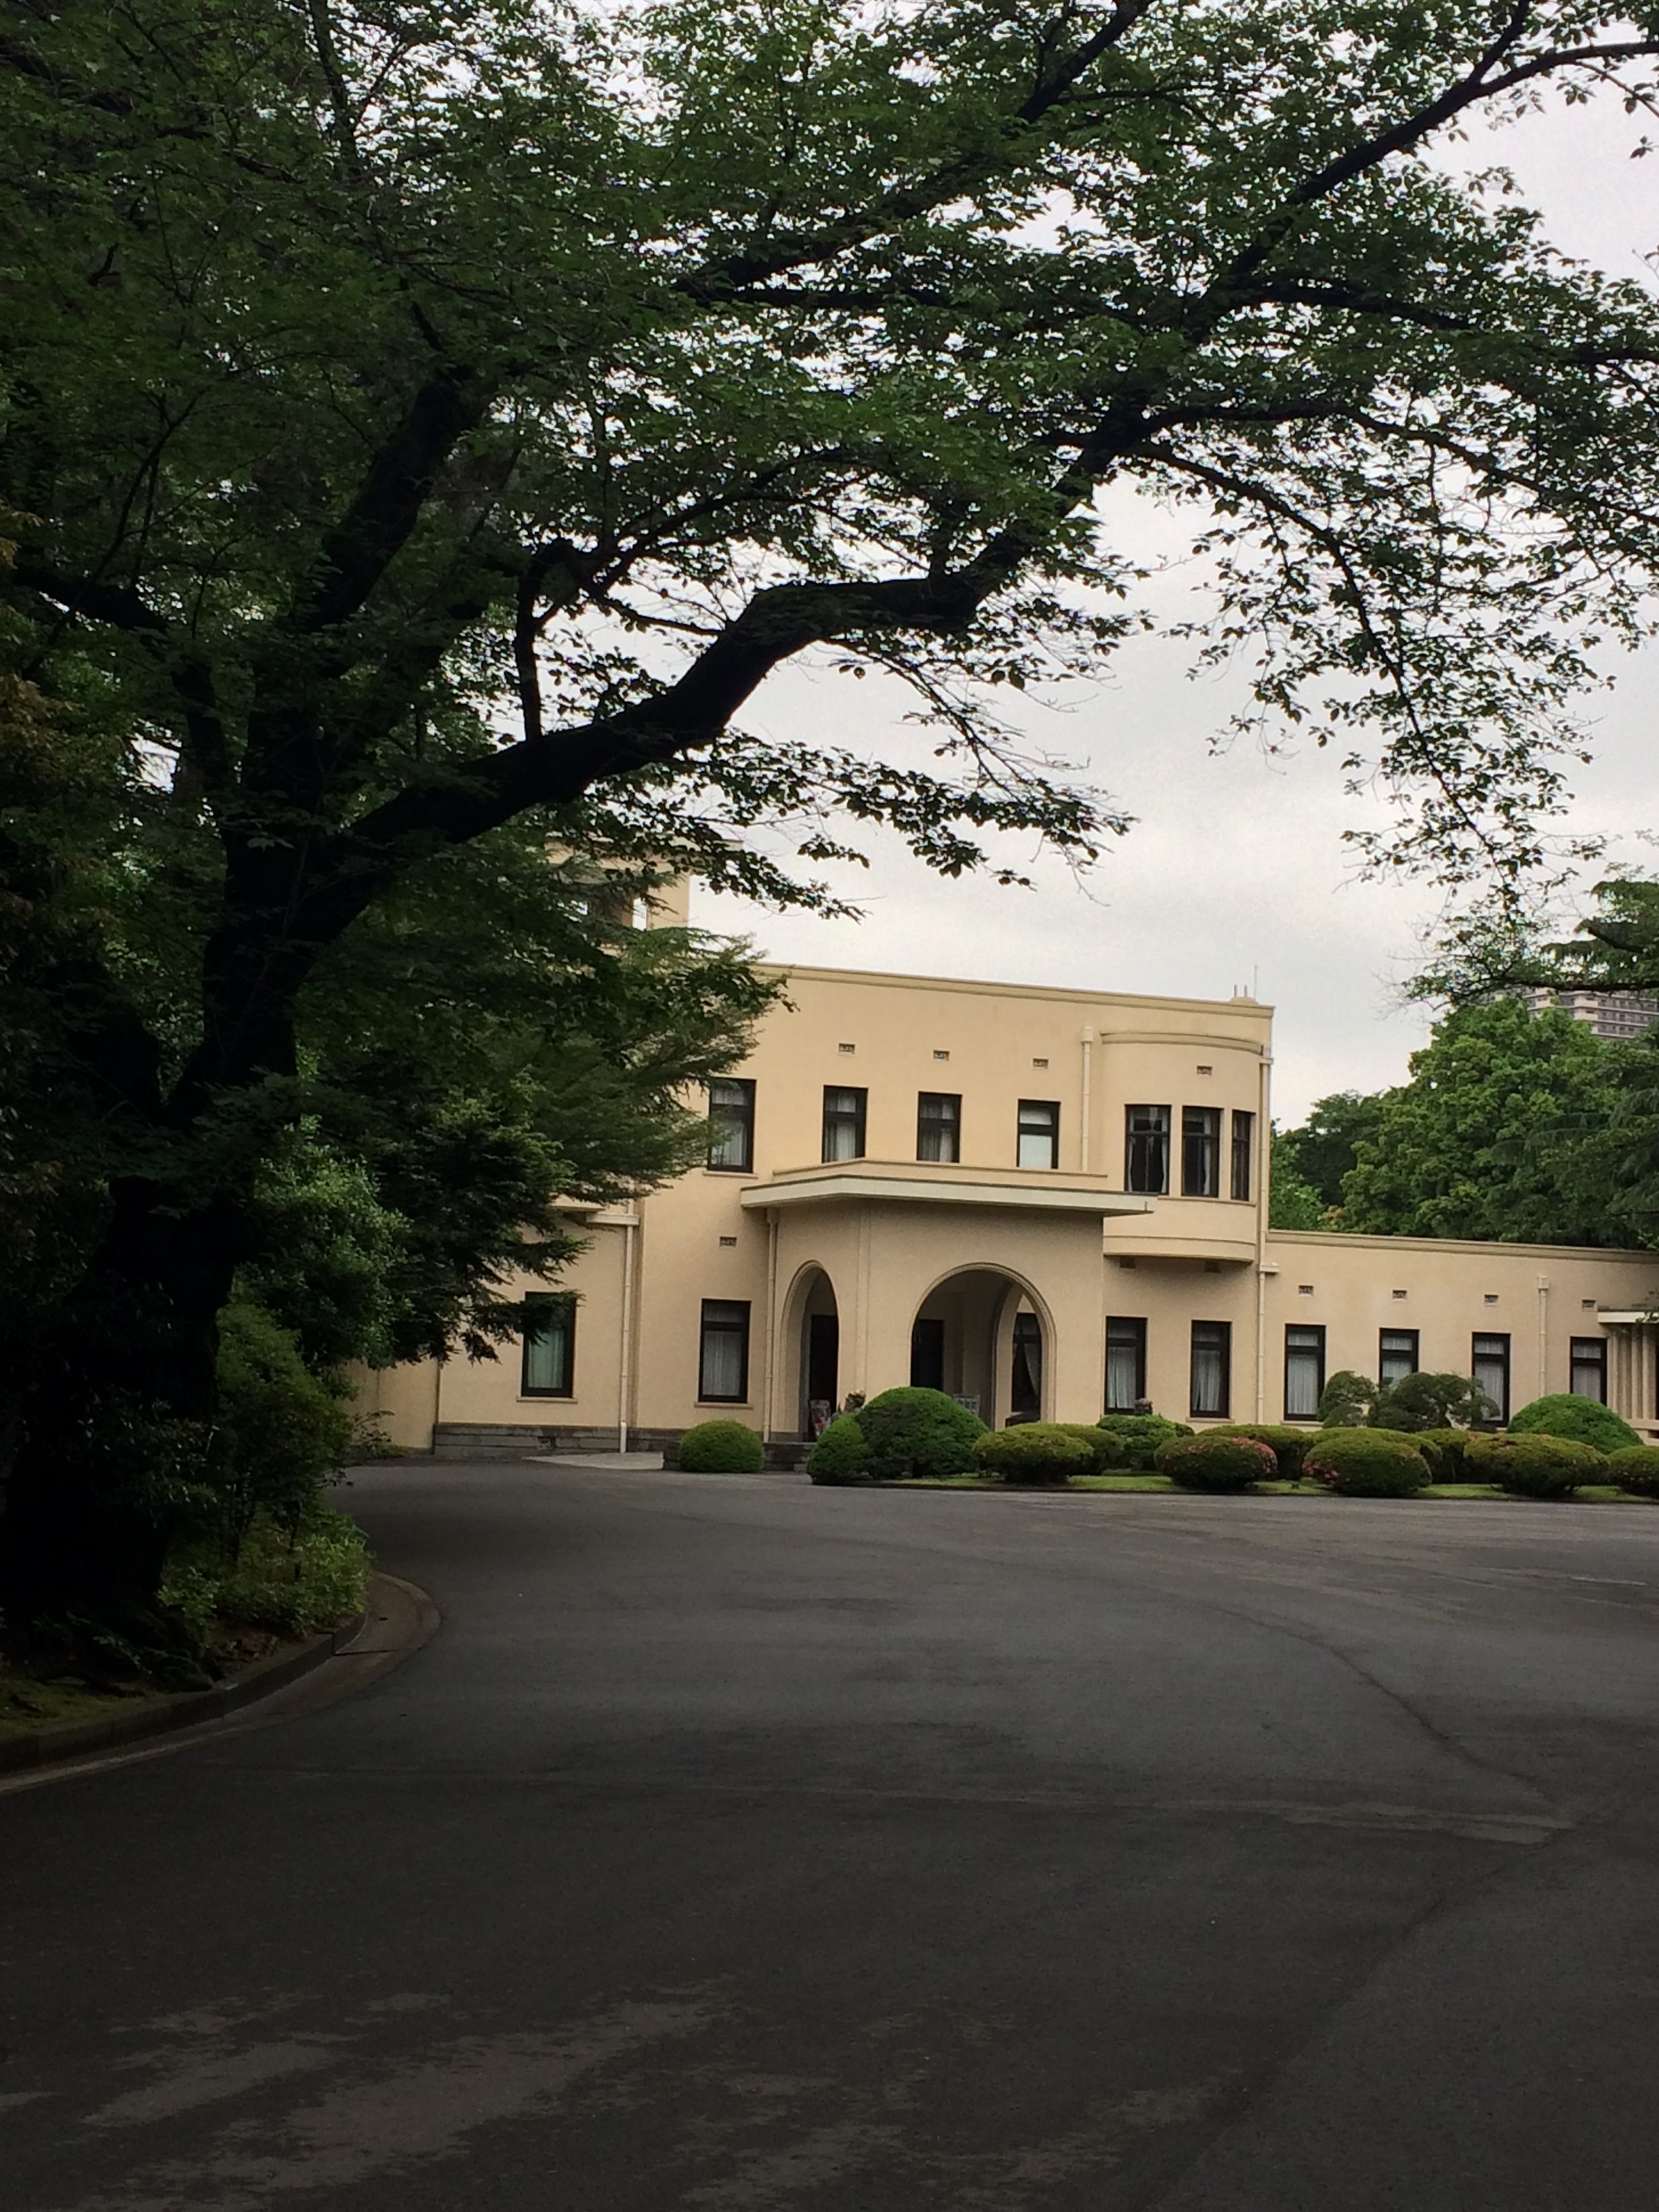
(364, 365)
(1487, 1139)
(1323, 1149)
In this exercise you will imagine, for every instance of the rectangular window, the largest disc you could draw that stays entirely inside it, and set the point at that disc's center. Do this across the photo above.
(1147, 1167)
(1126, 1364)
(938, 1126)
(1396, 1355)
(731, 1124)
(1243, 1153)
(549, 1345)
(1589, 1367)
(723, 1366)
(1304, 1373)
(844, 1122)
(1039, 1133)
(1213, 1362)
(1200, 1151)
(1489, 1364)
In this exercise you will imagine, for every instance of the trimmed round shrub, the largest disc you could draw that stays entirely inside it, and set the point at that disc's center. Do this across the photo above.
(1636, 1469)
(1366, 1463)
(1347, 1401)
(914, 1431)
(1289, 1445)
(1105, 1452)
(1419, 1401)
(1035, 1452)
(841, 1454)
(1579, 1420)
(1139, 1436)
(721, 1448)
(1446, 1451)
(1217, 1462)
(1537, 1466)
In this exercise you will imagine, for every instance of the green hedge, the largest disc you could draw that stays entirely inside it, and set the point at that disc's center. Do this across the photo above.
(1366, 1463)
(1446, 1451)
(1139, 1436)
(721, 1448)
(1288, 1444)
(1035, 1452)
(1217, 1462)
(1636, 1469)
(911, 1431)
(1580, 1420)
(1539, 1466)
(841, 1454)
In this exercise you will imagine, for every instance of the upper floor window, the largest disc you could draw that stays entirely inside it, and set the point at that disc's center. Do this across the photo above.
(1396, 1355)
(1200, 1151)
(1244, 1151)
(1304, 1373)
(1147, 1165)
(1039, 1133)
(732, 1123)
(1589, 1367)
(844, 1122)
(1489, 1364)
(1125, 1363)
(938, 1126)
(549, 1345)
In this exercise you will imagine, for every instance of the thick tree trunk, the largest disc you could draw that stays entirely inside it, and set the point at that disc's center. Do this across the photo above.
(114, 1443)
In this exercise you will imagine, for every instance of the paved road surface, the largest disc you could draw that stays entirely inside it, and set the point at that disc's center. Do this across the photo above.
(740, 1847)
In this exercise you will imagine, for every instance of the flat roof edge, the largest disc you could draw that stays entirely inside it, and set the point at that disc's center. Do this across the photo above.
(787, 968)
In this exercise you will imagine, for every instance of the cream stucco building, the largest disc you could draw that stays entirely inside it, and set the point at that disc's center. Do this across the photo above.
(1049, 1202)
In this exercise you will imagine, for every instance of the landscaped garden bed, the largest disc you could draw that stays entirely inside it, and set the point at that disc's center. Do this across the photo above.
(1557, 1448)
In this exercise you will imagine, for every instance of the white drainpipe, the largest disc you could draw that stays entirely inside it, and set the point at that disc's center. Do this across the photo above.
(1088, 1092)
(1263, 1200)
(625, 1364)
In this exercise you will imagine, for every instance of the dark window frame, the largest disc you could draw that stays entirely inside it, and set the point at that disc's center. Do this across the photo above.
(1139, 1150)
(1596, 1345)
(739, 1114)
(1050, 1130)
(839, 1118)
(938, 1124)
(1416, 1367)
(1134, 1328)
(1224, 1330)
(1242, 1154)
(705, 1329)
(1505, 1359)
(548, 1303)
(1317, 1330)
(1205, 1135)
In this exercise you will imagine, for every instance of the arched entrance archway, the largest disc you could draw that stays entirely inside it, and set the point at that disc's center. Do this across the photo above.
(981, 1335)
(819, 1323)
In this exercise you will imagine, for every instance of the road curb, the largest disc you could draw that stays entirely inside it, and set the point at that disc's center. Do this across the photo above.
(66, 1740)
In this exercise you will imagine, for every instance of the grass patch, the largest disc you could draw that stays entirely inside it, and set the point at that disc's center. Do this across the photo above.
(26, 1703)
(1156, 1484)
(941, 1482)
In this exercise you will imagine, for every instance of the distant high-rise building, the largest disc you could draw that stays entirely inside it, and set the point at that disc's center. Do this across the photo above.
(1614, 1015)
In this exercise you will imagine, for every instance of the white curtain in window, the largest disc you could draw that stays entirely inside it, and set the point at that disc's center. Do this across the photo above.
(1122, 1377)
(722, 1360)
(1301, 1382)
(547, 1350)
(1209, 1379)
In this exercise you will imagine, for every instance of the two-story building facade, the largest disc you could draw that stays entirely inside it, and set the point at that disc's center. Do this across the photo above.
(1049, 1202)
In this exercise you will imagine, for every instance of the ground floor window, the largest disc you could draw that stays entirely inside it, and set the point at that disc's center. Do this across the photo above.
(1304, 1373)
(1212, 1360)
(1589, 1367)
(1396, 1355)
(549, 1345)
(1489, 1364)
(723, 1367)
(1125, 1363)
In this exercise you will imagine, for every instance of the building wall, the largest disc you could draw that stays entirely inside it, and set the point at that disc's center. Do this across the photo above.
(715, 1234)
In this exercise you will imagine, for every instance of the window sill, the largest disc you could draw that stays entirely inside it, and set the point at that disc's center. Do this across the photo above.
(729, 1405)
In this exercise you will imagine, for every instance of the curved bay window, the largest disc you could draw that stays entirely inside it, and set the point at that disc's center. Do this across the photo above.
(1146, 1149)
(1200, 1151)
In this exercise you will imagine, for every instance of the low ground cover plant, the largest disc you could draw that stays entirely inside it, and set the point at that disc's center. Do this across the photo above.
(1537, 1466)
(1217, 1462)
(1580, 1420)
(1139, 1436)
(1036, 1453)
(1366, 1463)
(1636, 1468)
(721, 1448)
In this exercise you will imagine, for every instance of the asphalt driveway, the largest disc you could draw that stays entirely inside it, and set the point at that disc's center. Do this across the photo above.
(745, 1847)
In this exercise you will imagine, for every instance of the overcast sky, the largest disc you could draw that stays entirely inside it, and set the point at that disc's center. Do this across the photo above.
(1236, 874)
